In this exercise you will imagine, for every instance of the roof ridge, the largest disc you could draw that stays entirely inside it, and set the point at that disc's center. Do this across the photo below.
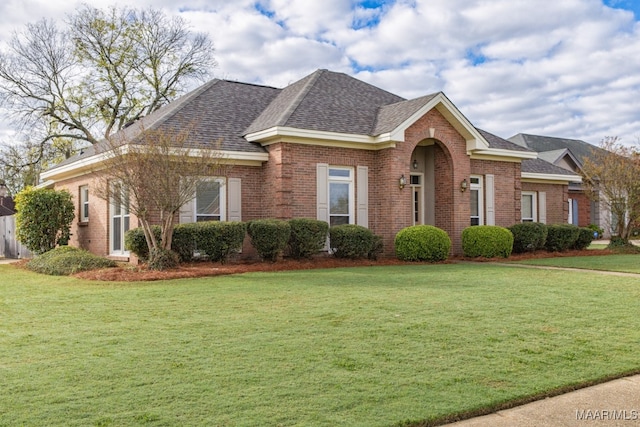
(293, 106)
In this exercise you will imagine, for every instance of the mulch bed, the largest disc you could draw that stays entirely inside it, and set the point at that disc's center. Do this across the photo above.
(129, 273)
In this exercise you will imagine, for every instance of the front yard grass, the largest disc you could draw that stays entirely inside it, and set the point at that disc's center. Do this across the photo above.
(629, 263)
(369, 346)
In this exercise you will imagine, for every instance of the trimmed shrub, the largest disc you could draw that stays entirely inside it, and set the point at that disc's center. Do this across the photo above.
(43, 218)
(162, 259)
(561, 237)
(308, 237)
(597, 231)
(183, 241)
(422, 243)
(351, 241)
(135, 241)
(487, 241)
(218, 240)
(377, 247)
(528, 236)
(269, 237)
(66, 260)
(585, 237)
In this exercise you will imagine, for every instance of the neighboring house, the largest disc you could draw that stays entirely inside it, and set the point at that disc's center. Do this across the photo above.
(570, 154)
(7, 206)
(337, 149)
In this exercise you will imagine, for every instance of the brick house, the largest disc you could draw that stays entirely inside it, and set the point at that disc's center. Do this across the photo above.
(570, 154)
(335, 148)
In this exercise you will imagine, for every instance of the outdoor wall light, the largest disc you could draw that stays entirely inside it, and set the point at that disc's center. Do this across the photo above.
(463, 185)
(415, 164)
(402, 182)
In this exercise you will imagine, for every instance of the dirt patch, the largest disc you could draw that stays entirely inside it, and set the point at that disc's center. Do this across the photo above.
(129, 273)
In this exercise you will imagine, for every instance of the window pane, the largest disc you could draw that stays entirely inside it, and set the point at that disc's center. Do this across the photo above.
(340, 173)
(126, 224)
(475, 221)
(475, 180)
(202, 218)
(415, 179)
(339, 198)
(117, 234)
(475, 194)
(527, 206)
(85, 211)
(208, 198)
(338, 220)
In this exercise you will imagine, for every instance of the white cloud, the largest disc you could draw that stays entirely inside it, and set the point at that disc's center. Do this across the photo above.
(564, 68)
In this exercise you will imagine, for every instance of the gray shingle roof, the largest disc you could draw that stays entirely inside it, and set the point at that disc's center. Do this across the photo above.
(501, 143)
(543, 167)
(326, 101)
(581, 150)
(391, 116)
(221, 109)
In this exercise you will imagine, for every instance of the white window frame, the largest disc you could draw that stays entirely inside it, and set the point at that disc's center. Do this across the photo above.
(341, 180)
(222, 199)
(122, 212)
(84, 203)
(534, 206)
(478, 186)
(419, 190)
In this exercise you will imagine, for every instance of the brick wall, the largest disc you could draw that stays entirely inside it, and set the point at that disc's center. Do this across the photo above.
(557, 200)
(584, 208)
(507, 188)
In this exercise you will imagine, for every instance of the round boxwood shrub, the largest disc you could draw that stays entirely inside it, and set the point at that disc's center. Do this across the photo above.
(528, 236)
(561, 237)
(269, 237)
(351, 241)
(422, 243)
(218, 240)
(487, 241)
(585, 237)
(308, 237)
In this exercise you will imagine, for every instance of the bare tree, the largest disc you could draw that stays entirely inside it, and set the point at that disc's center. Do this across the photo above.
(102, 70)
(157, 171)
(611, 176)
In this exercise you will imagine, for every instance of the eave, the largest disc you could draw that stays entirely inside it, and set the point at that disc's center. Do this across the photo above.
(96, 163)
(550, 178)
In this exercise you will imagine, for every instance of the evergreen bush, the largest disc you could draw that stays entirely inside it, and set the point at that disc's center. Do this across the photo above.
(269, 237)
(422, 243)
(135, 242)
(351, 241)
(585, 237)
(561, 237)
(43, 218)
(488, 241)
(218, 240)
(528, 236)
(308, 237)
(66, 260)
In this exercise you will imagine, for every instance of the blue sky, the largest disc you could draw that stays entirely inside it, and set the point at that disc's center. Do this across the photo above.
(567, 68)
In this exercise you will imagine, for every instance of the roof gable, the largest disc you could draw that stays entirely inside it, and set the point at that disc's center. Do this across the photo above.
(580, 150)
(326, 101)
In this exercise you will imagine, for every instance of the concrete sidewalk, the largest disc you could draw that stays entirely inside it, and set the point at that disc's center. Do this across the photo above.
(614, 403)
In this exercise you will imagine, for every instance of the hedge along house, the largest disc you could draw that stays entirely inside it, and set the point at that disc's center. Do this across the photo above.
(334, 148)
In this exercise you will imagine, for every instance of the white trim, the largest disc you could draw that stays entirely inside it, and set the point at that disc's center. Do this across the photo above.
(81, 166)
(479, 187)
(551, 177)
(84, 200)
(420, 190)
(222, 200)
(347, 180)
(534, 206)
(123, 215)
(499, 152)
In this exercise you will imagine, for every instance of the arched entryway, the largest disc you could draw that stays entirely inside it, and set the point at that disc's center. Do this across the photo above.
(431, 184)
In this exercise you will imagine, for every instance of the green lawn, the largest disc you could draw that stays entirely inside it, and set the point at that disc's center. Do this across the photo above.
(370, 346)
(621, 263)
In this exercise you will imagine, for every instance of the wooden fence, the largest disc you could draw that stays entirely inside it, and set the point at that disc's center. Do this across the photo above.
(9, 245)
